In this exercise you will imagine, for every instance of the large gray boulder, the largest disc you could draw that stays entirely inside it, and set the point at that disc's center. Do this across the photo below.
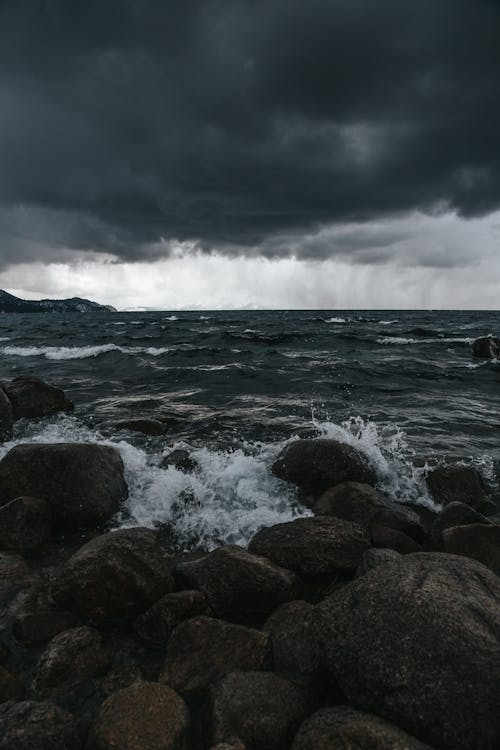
(82, 482)
(478, 541)
(31, 397)
(6, 417)
(118, 574)
(239, 586)
(313, 546)
(345, 728)
(455, 514)
(315, 465)
(25, 524)
(293, 639)
(463, 484)
(417, 641)
(486, 347)
(72, 657)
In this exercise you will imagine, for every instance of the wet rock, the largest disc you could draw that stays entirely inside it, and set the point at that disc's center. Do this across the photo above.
(11, 688)
(6, 417)
(83, 483)
(455, 514)
(151, 427)
(179, 459)
(231, 744)
(238, 585)
(203, 649)
(262, 708)
(295, 646)
(313, 546)
(25, 524)
(372, 558)
(418, 642)
(72, 657)
(352, 501)
(118, 574)
(155, 626)
(29, 628)
(486, 347)
(14, 574)
(31, 397)
(463, 484)
(144, 716)
(389, 538)
(478, 541)
(345, 728)
(32, 725)
(316, 465)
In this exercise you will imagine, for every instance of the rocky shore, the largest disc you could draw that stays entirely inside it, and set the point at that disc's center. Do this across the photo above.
(368, 624)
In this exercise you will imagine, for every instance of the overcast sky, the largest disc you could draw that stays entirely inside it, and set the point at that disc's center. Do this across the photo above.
(263, 153)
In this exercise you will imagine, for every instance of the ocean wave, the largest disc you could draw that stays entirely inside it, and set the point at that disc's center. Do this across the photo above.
(80, 352)
(171, 318)
(400, 340)
(336, 320)
(387, 322)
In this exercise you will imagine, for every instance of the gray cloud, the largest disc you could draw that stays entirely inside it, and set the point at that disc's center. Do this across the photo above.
(243, 126)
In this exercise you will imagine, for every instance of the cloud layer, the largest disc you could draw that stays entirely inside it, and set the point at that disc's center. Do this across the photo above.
(260, 128)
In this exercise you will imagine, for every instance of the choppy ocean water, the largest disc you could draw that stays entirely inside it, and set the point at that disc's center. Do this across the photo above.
(402, 386)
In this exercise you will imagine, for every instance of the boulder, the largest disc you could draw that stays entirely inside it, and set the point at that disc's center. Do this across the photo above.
(151, 427)
(32, 725)
(155, 626)
(6, 417)
(83, 483)
(294, 643)
(232, 744)
(313, 546)
(11, 688)
(345, 728)
(417, 641)
(239, 586)
(72, 657)
(144, 716)
(261, 708)
(455, 514)
(25, 524)
(479, 541)
(32, 627)
(118, 574)
(374, 557)
(179, 459)
(486, 347)
(389, 538)
(31, 397)
(316, 465)
(203, 649)
(14, 575)
(458, 483)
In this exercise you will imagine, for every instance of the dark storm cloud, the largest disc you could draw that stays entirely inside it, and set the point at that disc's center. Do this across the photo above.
(232, 122)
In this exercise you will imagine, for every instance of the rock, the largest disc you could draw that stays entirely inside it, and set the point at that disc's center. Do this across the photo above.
(179, 459)
(144, 716)
(345, 728)
(417, 641)
(316, 465)
(389, 538)
(119, 678)
(477, 540)
(372, 558)
(72, 657)
(83, 483)
(6, 417)
(25, 524)
(294, 643)
(262, 708)
(238, 585)
(14, 574)
(37, 726)
(455, 514)
(29, 628)
(313, 546)
(486, 347)
(31, 397)
(151, 427)
(203, 649)
(232, 744)
(155, 626)
(457, 483)
(11, 688)
(119, 574)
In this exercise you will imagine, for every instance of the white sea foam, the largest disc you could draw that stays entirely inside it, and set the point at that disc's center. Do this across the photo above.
(80, 352)
(400, 340)
(336, 320)
(4, 338)
(387, 322)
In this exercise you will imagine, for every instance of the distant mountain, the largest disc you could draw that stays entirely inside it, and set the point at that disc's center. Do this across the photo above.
(11, 304)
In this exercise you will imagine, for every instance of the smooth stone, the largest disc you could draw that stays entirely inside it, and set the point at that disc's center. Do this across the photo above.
(455, 514)
(82, 482)
(72, 657)
(202, 650)
(318, 464)
(25, 524)
(478, 541)
(374, 557)
(155, 626)
(463, 484)
(31, 398)
(294, 643)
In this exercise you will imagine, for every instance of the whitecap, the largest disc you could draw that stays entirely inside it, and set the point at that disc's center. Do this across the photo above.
(336, 320)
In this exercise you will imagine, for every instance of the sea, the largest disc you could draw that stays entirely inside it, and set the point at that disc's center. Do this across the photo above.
(235, 387)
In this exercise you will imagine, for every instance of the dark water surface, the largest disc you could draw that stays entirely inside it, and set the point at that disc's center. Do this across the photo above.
(402, 386)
